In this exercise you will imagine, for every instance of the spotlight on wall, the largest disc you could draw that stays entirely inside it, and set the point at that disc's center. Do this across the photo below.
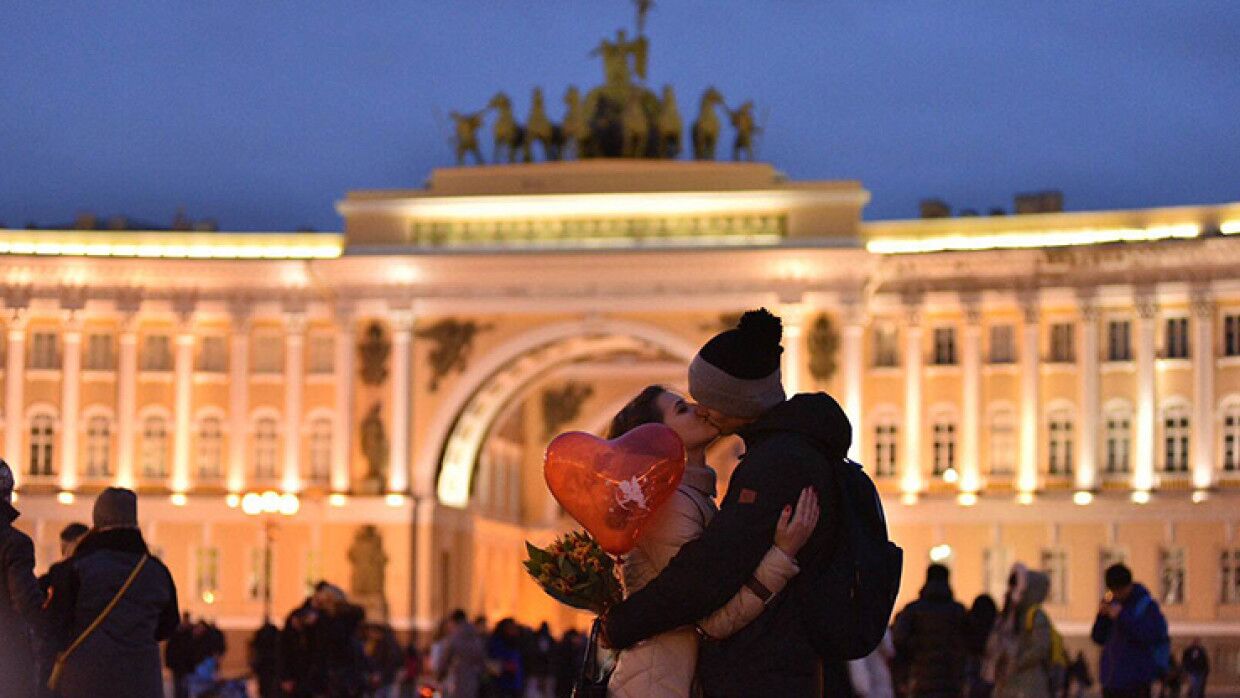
(908, 498)
(65, 497)
(395, 499)
(1141, 496)
(337, 499)
(178, 499)
(966, 499)
(1082, 497)
(233, 500)
(1200, 496)
(941, 553)
(950, 476)
(1025, 498)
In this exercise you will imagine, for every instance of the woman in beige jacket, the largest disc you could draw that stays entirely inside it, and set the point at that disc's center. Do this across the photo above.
(665, 664)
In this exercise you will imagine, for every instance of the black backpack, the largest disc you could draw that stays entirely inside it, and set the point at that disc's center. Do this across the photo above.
(848, 601)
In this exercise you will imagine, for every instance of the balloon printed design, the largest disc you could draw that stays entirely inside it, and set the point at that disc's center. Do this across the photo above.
(612, 487)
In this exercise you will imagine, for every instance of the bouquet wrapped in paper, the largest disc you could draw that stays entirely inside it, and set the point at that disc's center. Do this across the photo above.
(576, 571)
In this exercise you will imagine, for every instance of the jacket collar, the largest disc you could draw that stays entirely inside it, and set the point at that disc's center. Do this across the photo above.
(701, 479)
(124, 540)
(7, 513)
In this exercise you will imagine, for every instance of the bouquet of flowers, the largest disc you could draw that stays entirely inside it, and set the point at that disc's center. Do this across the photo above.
(576, 571)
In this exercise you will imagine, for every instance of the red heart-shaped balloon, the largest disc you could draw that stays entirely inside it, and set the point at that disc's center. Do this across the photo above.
(612, 487)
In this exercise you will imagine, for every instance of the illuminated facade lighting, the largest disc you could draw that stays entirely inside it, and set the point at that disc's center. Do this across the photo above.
(1141, 496)
(394, 499)
(950, 476)
(959, 242)
(171, 245)
(178, 499)
(65, 497)
(337, 499)
(966, 499)
(1230, 227)
(1200, 496)
(1082, 498)
(941, 553)
(1025, 498)
(908, 498)
(233, 500)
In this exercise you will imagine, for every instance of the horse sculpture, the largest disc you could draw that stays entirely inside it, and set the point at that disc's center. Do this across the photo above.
(574, 130)
(706, 127)
(507, 132)
(668, 126)
(539, 129)
(466, 140)
(634, 126)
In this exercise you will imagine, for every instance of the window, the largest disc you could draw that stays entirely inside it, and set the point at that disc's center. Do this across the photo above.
(208, 582)
(1059, 444)
(213, 355)
(944, 444)
(314, 570)
(1063, 347)
(996, 565)
(886, 349)
(98, 446)
(42, 436)
(99, 353)
(944, 346)
(43, 351)
(1175, 340)
(1171, 576)
(1002, 442)
(320, 449)
(268, 354)
(1175, 440)
(1231, 438)
(1119, 340)
(210, 448)
(1002, 344)
(156, 353)
(1118, 440)
(261, 564)
(1229, 575)
(1106, 557)
(266, 444)
(886, 438)
(322, 348)
(1055, 564)
(155, 447)
(1231, 335)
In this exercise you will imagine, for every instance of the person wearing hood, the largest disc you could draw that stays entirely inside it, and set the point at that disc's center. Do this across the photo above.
(1130, 627)
(790, 444)
(930, 637)
(1021, 670)
(20, 598)
(113, 562)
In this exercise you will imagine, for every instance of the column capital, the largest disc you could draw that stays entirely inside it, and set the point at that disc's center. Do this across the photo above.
(71, 298)
(344, 314)
(1030, 304)
(971, 302)
(911, 302)
(17, 319)
(1202, 302)
(17, 296)
(294, 322)
(853, 310)
(72, 324)
(1145, 301)
(184, 303)
(401, 320)
(1087, 303)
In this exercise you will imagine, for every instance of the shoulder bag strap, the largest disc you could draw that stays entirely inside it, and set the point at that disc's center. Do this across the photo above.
(61, 658)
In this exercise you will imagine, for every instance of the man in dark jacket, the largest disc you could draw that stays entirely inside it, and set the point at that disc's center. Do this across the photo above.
(122, 654)
(20, 598)
(1196, 664)
(790, 444)
(1131, 629)
(929, 635)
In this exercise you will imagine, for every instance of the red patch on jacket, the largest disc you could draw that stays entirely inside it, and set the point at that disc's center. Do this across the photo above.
(747, 496)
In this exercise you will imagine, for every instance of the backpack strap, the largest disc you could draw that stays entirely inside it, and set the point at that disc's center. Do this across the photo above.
(59, 666)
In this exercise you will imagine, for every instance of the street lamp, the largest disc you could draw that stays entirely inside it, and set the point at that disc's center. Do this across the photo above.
(268, 504)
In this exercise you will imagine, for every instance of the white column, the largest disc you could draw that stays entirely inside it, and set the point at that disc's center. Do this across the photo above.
(183, 386)
(342, 425)
(851, 364)
(70, 402)
(911, 477)
(126, 400)
(793, 317)
(294, 352)
(14, 395)
(1087, 382)
(238, 399)
(1203, 389)
(971, 398)
(1030, 382)
(398, 468)
(1143, 472)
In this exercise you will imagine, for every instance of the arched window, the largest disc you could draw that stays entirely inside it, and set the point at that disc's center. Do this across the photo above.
(98, 446)
(886, 440)
(1059, 442)
(320, 449)
(1118, 425)
(1231, 437)
(266, 447)
(42, 438)
(210, 448)
(155, 447)
(1002, 441)
(1175, 439)
(944, 444)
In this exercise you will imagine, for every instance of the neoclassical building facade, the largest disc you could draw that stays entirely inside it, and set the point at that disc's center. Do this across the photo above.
(1061, 389)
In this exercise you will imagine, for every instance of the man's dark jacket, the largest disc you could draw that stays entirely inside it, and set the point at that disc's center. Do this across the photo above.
(20, 599)
(796, 444)
(123, 653)
(930, 635)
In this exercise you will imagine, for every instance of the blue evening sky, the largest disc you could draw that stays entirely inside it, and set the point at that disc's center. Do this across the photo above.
(263, 114)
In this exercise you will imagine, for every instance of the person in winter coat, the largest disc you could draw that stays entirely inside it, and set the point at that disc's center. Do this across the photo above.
(791, 444)
(297, 653)
(20, 598)
(978, 625)
(1130, 627)
(1196, 663)
(870, 676)
(570, 654)
(123, 652)
(930, 634)
(264, 659)
(1022, 670)
(665, 664)
(463, 659)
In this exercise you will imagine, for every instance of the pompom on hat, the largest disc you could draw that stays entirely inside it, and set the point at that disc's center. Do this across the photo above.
(737, 371)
